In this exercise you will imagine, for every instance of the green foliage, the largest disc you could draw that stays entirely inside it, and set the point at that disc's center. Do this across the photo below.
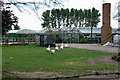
(94, 18)
(57, 18)
(16, 27)
(46, 19)
(83, 40)
(8, 19)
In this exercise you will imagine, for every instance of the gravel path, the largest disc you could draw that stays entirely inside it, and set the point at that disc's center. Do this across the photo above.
(95, 47)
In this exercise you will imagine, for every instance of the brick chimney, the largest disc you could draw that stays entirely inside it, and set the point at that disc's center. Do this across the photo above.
(106, 29)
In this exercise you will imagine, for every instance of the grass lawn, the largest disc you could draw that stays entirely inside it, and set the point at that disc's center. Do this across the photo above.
(69, 61)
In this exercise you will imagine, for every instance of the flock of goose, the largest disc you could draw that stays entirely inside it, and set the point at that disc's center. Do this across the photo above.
(56, 48)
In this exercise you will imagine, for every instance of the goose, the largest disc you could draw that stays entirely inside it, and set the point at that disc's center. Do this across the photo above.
(52, 51)
(56, 48)
(48, 49)
(66, 45)
(61, 47)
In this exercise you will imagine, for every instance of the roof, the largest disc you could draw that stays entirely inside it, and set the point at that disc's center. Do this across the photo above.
(84, 30)
(13, 31)
(40, 31)
(80, 29)
(88, 30)
(26, 31)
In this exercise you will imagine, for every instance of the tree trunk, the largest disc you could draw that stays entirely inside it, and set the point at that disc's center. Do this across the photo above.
(91, 31)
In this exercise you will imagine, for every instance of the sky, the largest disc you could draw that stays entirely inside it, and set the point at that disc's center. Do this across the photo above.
(30, 21)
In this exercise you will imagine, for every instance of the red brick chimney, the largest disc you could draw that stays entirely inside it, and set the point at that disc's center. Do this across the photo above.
(106, 30)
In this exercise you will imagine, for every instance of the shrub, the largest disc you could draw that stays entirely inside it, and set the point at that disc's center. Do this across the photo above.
(83, 40)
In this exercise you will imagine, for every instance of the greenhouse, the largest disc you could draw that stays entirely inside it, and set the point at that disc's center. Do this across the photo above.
(71, 35)
(78, 34)
(20, 36)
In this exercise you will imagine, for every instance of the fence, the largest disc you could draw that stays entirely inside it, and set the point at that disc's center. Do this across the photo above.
(18, 40)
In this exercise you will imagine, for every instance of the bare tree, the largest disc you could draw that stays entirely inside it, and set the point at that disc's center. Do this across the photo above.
(34, 5)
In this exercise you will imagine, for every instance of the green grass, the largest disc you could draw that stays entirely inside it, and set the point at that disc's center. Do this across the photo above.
(68, 61)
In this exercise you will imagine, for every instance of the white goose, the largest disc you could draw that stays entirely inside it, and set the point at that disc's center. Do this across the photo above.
(48, 49)
(66, 45)
(56, 48)
(52, 51)
(61, 47)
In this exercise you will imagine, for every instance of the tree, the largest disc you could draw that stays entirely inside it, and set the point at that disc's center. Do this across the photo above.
(67, 18)
(63, 17)
(85, 17)
(71, 14)
(8, 20)
(80, 17)
(34, 5)
(58, 16)
(94, 19)
(46, 19)
(53, 18)
(16, 27)
(89, 17)
(76, 17)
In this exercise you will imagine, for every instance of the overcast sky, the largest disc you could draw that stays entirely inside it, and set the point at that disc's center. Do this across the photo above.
(27, 21)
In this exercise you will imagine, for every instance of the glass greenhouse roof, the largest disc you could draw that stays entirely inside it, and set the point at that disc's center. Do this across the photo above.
(84, 30)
